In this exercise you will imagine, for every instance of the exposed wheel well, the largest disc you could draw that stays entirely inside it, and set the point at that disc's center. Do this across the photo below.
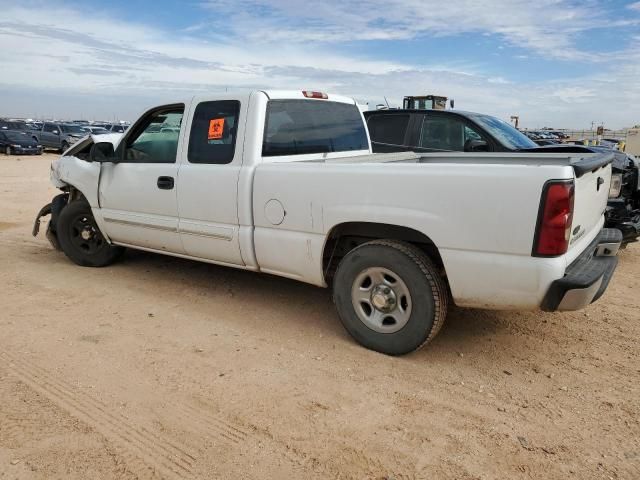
(346, 236)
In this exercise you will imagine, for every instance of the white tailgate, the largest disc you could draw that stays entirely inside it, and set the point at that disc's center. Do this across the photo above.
(589, 205)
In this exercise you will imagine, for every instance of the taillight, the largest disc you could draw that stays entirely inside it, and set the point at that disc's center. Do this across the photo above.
(310, 94)
(554, 219)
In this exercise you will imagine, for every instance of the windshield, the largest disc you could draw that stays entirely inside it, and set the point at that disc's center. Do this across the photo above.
(503, 132)
(73, 129)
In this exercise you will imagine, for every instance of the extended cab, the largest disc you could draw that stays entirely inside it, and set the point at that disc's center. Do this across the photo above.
(284, 183)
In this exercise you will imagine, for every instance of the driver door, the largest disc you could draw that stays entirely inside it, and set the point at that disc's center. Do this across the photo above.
(138, 193)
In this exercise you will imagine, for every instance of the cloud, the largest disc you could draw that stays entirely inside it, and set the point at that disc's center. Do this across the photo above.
(101, 67)
(634, 6)
(545, 26)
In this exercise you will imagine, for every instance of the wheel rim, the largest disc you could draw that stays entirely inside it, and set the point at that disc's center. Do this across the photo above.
(85, 235)
(8, 151)
(381, 300)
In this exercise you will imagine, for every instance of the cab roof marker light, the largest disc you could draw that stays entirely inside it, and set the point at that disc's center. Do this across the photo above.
(319, 95)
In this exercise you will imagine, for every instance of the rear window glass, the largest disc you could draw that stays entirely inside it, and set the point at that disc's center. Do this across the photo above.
(389, 129)
(296, 127)
(213, 132)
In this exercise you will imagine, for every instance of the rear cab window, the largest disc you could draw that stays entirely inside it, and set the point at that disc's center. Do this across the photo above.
(298, 127)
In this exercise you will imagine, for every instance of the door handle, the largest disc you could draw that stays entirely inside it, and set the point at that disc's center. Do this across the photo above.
(165, 183)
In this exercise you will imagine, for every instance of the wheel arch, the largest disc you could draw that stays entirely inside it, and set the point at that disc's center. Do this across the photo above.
(344, 237)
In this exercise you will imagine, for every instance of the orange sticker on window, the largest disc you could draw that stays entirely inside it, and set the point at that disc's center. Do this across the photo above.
(216, 127)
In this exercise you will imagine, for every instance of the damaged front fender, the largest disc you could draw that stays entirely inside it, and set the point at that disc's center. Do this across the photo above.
(54, 208)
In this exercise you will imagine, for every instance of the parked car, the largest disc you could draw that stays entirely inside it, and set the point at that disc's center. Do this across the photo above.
(284, 183)
(16, 125)
(16, 142)
(59, 135)
(116, 127)
(459, 131)
(610, 143)
(544, 142)
(96, 130)
(560, 135)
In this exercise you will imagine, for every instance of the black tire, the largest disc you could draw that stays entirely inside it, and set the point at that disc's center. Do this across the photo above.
(74, 220)
(428, 295)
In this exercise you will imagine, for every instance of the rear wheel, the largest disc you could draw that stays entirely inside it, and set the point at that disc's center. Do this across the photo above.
(390, 297)
(81, 239)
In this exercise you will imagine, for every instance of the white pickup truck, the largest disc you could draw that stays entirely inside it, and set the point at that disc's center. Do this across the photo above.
(285, 183)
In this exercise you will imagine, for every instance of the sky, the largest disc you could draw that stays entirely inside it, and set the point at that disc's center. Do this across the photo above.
(555, 63)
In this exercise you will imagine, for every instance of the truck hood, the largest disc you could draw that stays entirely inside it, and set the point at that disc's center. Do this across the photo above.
(78, 152)
(88, 140)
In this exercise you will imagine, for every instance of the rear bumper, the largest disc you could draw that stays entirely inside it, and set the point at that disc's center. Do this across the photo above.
(587, 278)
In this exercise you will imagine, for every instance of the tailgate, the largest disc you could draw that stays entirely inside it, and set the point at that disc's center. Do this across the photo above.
(592, 179)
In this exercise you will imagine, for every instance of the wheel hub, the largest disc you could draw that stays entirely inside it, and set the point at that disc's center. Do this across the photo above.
(383, 298)
(87, 233)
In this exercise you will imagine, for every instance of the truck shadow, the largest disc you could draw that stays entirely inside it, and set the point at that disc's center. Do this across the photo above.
(290, 305)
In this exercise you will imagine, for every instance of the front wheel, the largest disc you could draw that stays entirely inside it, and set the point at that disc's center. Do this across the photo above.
(81, 239)
(64, 147)
(390, 297)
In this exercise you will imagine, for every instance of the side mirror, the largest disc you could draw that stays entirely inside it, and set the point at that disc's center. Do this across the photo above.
(476, 146)
(102, 152)
(452, 103)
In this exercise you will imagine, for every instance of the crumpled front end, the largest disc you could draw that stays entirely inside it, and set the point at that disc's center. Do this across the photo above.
(76, 176)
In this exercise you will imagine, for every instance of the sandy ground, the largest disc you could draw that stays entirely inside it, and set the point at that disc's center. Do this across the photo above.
(165, 368)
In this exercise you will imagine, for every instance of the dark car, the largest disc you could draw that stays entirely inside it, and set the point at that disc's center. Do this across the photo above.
(458, 131)
(14, 125)
(15, 142)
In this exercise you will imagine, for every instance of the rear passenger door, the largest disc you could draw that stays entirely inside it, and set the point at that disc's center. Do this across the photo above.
(208, 186)
(389, 132)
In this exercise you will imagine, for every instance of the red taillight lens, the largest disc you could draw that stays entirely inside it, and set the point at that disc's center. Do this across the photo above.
(554, 220)
(310, 94)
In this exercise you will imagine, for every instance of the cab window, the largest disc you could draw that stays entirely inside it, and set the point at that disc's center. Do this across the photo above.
(297, 127)
(388, 129)
(155, 139)
(213, 132)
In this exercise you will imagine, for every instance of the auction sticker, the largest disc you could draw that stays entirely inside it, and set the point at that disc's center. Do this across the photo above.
(216, 127)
